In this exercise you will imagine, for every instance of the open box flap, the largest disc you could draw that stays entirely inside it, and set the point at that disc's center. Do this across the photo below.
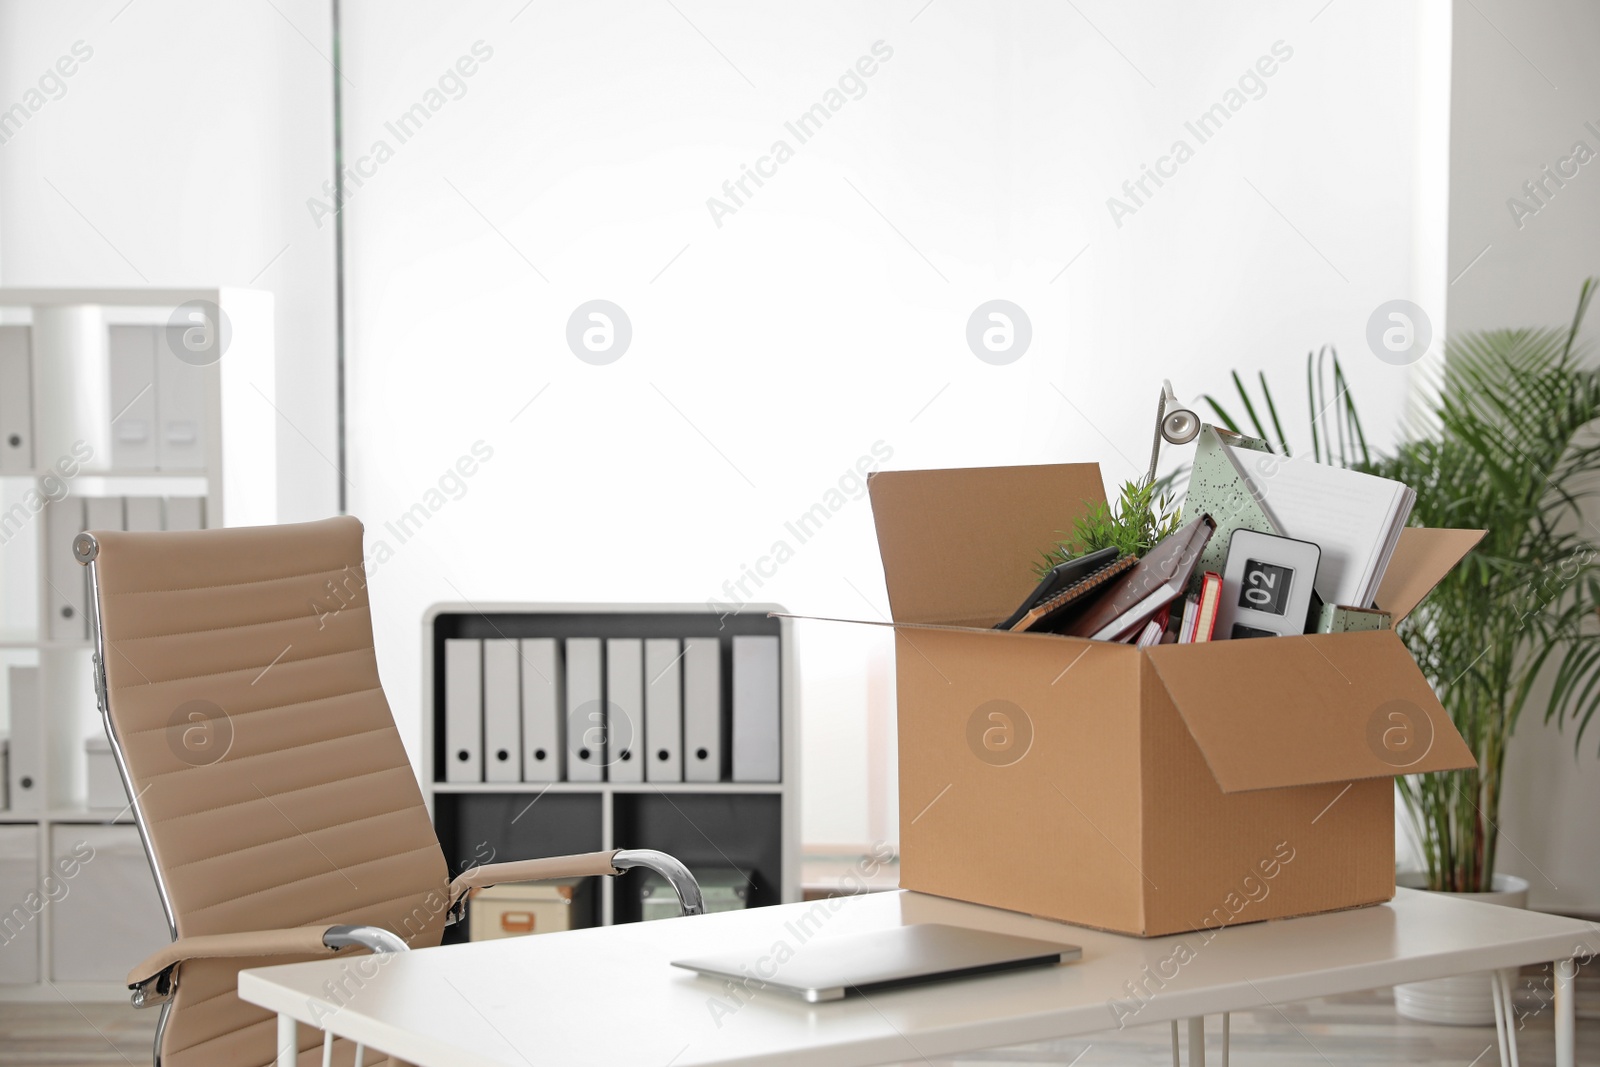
(1421, 560)
(1271, 712)
(959, 545)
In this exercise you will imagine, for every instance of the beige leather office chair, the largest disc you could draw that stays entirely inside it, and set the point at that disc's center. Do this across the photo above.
(236, 675)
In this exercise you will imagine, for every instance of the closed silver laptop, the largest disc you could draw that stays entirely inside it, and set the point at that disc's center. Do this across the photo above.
(827, 968)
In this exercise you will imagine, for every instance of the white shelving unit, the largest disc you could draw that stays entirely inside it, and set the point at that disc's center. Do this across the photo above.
(703, 823)
(89, 920)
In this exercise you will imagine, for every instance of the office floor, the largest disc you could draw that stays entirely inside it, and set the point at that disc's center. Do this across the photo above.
(1357, 1029)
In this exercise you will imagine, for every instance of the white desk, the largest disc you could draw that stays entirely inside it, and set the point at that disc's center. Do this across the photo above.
(607, 997)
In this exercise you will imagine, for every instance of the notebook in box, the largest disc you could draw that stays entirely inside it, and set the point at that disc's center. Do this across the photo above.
(1159, 578)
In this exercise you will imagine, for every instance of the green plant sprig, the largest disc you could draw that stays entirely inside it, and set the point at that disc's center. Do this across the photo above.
(1142, 517)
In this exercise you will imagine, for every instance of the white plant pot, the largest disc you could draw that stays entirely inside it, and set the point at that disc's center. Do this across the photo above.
(1464, 1000)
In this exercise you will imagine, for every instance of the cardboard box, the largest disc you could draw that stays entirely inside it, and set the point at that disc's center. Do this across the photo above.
(1146, 791)
(519, 909)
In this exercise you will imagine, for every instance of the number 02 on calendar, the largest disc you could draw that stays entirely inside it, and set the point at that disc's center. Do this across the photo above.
(1267, 585)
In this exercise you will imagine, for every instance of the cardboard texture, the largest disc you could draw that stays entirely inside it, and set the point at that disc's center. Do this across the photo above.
(1421, 560)
(1146, 791)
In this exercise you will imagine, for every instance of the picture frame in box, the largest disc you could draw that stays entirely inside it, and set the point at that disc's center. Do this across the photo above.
(1268, 586)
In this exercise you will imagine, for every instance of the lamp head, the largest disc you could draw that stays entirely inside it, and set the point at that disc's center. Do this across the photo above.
(1174, 424)
(1179, 425)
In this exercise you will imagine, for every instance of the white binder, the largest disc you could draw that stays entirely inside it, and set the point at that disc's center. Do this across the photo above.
(16, 401)
(502, 711)
(543, 754)
(585, 711)
(186, 513)
(66, 581)
(26, 758)
(180, 407)
(132, 352)
(463, 710)
(663, 709)
(625, 709)
(702, 709)
(755, 709)
(142, 514)
(102, 513)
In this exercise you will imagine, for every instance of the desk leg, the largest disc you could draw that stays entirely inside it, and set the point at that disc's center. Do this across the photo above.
(1176, 1061)
(288, 1041)
(1508, 984)
(1501, 1024)
(1566, 1014)
(1225, 1037)
(1197, 1041)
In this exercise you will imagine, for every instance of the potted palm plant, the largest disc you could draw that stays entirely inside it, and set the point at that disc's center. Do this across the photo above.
(1508, 447)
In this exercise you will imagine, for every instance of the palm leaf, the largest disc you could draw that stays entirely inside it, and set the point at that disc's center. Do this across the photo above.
(1505, 443)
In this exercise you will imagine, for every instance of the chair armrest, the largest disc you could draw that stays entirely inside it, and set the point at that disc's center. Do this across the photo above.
(152, 980)
(297, 941)
(603, 864)
(579, 866)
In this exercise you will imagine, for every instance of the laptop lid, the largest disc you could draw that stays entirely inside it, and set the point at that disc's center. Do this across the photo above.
(828, 968)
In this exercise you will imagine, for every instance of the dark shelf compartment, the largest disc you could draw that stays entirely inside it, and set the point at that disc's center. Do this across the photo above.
(477, 828)
(703, 830)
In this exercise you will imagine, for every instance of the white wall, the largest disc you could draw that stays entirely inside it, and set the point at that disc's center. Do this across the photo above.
(181, 151)
(1525, 92)
(829, 312)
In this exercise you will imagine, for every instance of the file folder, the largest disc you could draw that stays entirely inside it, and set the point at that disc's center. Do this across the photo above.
(102, 513)
(26, 757)
(702, 709)
(132, 352)
(186, 513)
(66, 581)
(16, 401)
(585, 711)
(180, 407)
(663, 709)
(624, 709)
(756, 745)
(142, 514)
(502, 711)
(543, 753)
(463, 710)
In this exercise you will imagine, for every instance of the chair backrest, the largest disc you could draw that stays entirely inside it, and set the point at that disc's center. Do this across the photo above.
(269, 782)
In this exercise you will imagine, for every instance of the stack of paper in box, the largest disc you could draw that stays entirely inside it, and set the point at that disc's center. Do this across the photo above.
(1356, 518)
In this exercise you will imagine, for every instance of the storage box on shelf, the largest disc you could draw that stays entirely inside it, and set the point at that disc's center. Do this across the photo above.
(559, 728)
(137, 409)
(1146, 791)
(722, 889)
(535, 908)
